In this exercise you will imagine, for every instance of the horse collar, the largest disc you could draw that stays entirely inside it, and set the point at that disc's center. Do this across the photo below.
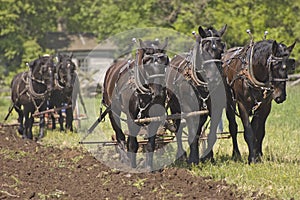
(250, 74)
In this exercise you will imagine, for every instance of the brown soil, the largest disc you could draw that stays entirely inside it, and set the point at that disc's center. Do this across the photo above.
(29, 170)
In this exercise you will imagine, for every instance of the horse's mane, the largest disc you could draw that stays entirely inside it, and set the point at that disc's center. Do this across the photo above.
(262, 48)
(213, 30)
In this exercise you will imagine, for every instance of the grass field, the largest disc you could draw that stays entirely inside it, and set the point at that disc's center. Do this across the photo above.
(278, 175)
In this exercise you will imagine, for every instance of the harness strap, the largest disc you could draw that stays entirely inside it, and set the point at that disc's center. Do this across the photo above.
(33, 96)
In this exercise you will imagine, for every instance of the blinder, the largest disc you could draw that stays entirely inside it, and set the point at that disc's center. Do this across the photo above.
(213, 40)
(45, 68)
(286, 64)
(153, 60)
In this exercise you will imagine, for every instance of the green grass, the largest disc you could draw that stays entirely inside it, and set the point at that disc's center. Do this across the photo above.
(279, 173)
(277, 176)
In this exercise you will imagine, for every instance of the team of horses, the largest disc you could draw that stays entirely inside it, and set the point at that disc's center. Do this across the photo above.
(50, 82)
(242, 80)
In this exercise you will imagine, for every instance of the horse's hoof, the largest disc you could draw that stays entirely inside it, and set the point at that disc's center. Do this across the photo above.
(20, 131)
(194, 161)
(251, 161)
(236, 158)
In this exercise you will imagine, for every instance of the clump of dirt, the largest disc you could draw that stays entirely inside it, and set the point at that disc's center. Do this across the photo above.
(33, 171)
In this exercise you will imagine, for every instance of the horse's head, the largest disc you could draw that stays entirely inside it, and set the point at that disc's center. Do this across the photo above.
(42, 70)
(210, 41)
(279, 64)
(269, 66)
(152, 61)
(65, 70)
(208, 52)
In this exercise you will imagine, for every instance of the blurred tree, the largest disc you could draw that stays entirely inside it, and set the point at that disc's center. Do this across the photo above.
(24, 23)
(278, 17)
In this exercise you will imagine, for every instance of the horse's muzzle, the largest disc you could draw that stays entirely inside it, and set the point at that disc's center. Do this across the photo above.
(280, 99)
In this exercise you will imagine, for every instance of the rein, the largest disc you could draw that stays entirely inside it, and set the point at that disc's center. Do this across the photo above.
(29, 90)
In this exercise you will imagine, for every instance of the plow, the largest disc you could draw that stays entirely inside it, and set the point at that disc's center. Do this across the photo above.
(165, 134)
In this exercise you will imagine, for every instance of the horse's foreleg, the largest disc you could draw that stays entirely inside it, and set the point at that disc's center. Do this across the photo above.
(61, 120)
(193, 139)
(181, 154)
(175, 109)
(20, 119)
(258, 124)
(116, 125)
(150, 147)
(53, 123)
(69, 119)
(233, 128)
(207, 153)
(248, 132)
(42, 126)
(132, 143)
(27, 124)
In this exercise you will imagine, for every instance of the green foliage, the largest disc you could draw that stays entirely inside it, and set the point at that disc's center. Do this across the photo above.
(25, 23)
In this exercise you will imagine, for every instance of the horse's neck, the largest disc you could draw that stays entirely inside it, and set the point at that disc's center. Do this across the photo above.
(260, 68)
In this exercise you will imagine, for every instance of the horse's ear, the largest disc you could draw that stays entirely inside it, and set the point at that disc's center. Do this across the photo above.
(71, 55)
(142, 44)
(202, 32)
(223, 29)
(290, 48)
(274, 47)
(30, 64)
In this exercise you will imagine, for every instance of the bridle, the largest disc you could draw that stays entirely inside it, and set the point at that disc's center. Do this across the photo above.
(273, 59)
(60, 80)
(199, 47)
(140, 71)
(41, 79)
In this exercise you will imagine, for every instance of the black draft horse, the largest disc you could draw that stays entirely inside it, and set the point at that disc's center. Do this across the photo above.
(31, 89)
(194, 83)
(256, 74)
(133, 87)
(66, 89)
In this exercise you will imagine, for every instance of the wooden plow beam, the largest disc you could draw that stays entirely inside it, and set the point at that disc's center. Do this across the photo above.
(146, 120)
(37, 114)
(171, 117)
(162, 140)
